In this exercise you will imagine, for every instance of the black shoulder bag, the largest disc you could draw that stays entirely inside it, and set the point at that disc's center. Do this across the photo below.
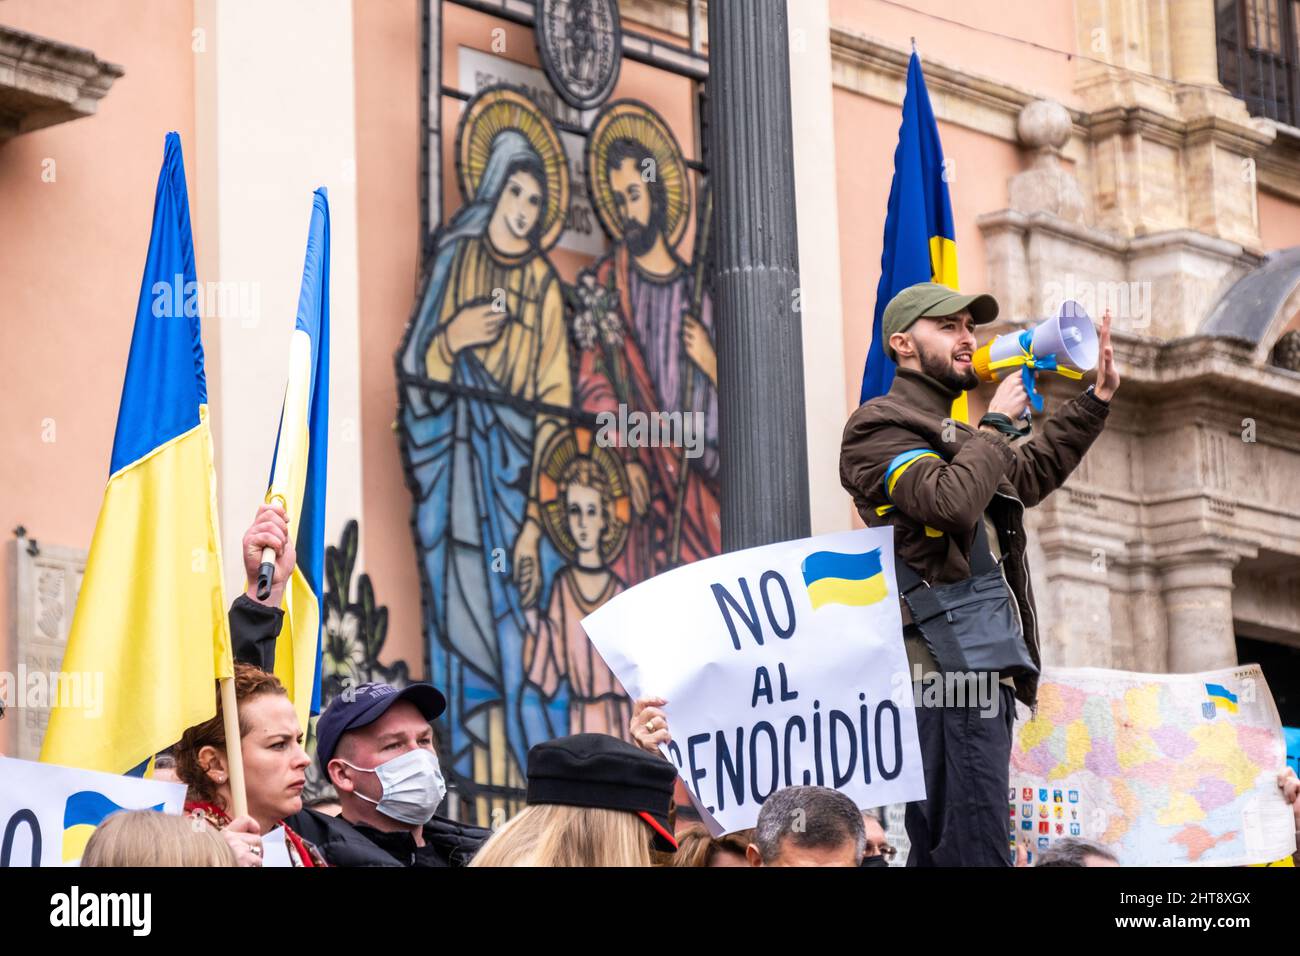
(972, 625)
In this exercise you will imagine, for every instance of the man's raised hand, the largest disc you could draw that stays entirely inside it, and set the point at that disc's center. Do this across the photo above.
(1107, 370)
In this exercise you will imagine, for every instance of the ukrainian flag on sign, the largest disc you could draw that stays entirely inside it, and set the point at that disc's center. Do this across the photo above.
(298, 469)
(920, 242)
(84, 811)
(151, 613)
(1222, 697)
(833, 577)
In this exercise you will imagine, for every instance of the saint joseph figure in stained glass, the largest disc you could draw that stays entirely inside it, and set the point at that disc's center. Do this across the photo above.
(657, 354)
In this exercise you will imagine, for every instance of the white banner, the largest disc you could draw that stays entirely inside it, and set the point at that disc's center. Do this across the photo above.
(47, 813)
(782, 665)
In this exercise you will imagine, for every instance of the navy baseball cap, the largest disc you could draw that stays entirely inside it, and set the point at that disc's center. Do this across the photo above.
(364, 705)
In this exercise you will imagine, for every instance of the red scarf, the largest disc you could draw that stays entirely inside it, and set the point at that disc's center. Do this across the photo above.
(219, 819)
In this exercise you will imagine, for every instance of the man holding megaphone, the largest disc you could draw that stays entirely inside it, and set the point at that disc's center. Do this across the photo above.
(955, 495)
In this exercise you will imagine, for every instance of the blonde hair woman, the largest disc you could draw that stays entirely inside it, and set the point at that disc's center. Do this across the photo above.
(150, 838)
(593, 800)
(555, 835)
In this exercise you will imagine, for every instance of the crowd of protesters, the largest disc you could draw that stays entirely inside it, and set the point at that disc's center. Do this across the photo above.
(592, 800)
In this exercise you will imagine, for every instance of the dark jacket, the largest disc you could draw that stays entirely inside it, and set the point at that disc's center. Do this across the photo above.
(945, 475)
(253, 630)
(447, 843)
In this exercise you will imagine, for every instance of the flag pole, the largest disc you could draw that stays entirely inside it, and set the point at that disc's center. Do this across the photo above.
(234, 747)
(293, 422)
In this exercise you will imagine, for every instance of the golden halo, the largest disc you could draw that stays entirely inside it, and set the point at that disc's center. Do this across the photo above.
(561, 453)
(499, 108)
(630, 119)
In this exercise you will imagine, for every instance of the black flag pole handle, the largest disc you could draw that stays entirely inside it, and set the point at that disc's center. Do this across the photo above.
(265, 572)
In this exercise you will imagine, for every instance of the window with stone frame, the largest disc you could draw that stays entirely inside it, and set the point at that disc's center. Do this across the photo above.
(1259, 55)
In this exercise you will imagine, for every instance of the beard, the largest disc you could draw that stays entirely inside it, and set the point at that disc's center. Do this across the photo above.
(940, 368)
(640, 238)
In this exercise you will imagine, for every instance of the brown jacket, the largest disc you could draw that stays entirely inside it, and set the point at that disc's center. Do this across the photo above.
(942, 483)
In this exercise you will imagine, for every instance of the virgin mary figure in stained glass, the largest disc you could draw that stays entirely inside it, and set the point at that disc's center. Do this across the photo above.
(484, 385)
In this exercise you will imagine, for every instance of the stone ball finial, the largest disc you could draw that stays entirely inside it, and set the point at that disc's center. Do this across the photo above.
(1286, 353)
(1044, 124)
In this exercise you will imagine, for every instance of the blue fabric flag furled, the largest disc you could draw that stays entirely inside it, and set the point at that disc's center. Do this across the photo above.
(299, 468)
(920, 243)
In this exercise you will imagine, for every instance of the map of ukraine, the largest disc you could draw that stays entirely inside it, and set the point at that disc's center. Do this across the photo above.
(1169, 780)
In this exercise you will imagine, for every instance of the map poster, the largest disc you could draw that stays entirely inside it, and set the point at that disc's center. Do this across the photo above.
(1164, 769)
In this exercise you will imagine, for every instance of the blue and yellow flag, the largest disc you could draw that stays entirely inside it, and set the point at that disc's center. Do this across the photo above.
(833, 577)
(298, 469)
(920, 243)
(84, 811)
(1222, 697)
(151, 614)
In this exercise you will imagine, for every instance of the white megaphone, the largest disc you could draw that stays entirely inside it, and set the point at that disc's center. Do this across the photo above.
(1065, 344)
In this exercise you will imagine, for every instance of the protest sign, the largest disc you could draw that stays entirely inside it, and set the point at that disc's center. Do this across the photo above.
(1165, 769)
(47, 812)
(782, 665)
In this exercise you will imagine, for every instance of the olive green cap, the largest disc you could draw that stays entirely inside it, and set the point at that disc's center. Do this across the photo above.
(930, 299)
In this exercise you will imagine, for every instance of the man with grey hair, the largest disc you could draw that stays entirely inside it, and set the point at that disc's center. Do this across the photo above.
(1075, 851)
(808, 826)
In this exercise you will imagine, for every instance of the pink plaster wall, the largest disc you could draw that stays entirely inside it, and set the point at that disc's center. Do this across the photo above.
(1031, 54)
(1279, 221)
(71, 254)
(386, 52)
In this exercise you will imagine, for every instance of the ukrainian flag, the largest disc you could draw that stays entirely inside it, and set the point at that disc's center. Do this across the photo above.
(84, 811)
(1222, 697)
(920, 242)
(298, 469)
(836, 578)
(151, 613)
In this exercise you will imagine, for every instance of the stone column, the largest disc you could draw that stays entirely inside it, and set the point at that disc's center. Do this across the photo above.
(1194, 55)
(1197, 590)
(821, 311)
(756, 277)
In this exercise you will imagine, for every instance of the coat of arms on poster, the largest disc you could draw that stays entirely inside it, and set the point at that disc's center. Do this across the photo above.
(580, 43)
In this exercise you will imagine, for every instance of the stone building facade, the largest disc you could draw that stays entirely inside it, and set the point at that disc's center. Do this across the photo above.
(1181, 532)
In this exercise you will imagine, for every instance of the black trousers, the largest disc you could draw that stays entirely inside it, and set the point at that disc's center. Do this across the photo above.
(966, 756)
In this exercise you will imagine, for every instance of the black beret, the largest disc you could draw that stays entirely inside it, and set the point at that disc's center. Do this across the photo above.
(597, 770)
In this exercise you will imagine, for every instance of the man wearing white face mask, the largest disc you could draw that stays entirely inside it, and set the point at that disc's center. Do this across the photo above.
(375, 744)
(377, 748)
